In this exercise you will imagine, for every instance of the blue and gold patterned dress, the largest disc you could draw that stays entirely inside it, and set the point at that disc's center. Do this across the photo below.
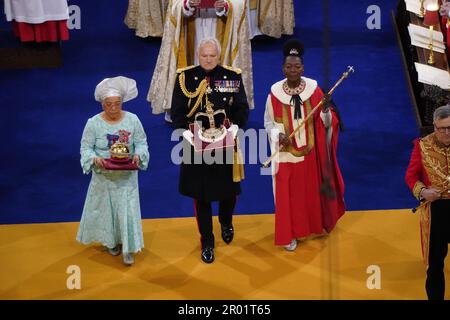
(111, 213)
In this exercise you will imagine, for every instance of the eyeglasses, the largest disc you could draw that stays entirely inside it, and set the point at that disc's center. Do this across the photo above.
(442, 129)
(115, 104)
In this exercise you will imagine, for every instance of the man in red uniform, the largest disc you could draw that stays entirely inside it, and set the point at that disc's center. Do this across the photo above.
(308, 161)
(428, 177)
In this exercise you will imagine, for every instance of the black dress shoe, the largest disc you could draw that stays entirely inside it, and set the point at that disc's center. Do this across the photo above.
(208, 255)
(227, 233)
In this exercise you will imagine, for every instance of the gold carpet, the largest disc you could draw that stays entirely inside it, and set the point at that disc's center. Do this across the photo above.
(35, 259)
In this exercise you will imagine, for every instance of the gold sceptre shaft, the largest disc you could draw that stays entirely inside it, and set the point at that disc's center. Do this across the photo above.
(344, 76)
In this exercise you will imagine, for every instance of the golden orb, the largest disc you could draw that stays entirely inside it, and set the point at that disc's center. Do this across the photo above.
(119, 150)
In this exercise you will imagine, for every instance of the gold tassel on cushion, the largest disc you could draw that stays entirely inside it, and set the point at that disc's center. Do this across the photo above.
(238, 163)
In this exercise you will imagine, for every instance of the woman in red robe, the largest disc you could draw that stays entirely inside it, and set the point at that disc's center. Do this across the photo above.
(307, 182)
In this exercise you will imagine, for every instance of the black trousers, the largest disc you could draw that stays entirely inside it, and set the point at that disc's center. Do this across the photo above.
(204, 215)
(439, 239)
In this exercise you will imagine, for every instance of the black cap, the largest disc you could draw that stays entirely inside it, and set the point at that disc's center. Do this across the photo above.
(293, 47)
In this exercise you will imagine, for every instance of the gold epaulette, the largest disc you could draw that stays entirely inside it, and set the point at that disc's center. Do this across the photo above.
(180, 70)
(237, 70)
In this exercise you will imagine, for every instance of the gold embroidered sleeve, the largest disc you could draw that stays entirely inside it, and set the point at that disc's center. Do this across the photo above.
(417, 188)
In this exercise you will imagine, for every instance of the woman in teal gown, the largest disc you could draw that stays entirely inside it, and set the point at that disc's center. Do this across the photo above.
(111, 213)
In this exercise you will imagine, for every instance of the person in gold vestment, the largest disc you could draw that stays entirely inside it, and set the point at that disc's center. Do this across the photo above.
(272, 18)
(147, 17)
(186, 25)
(428, 177)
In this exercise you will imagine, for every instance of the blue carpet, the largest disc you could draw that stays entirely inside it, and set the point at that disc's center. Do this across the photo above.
(45, 110)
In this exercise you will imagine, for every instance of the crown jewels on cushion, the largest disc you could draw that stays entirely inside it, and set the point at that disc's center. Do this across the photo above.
(119, 150)
(211, 123)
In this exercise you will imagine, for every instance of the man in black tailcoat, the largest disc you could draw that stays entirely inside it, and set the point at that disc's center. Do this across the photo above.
(198, 89)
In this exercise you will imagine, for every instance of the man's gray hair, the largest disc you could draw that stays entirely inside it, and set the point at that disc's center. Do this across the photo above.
(213, 41)
(441, 112)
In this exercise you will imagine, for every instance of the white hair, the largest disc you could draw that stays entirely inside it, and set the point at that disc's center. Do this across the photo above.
(213, 41)
(442, 112)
